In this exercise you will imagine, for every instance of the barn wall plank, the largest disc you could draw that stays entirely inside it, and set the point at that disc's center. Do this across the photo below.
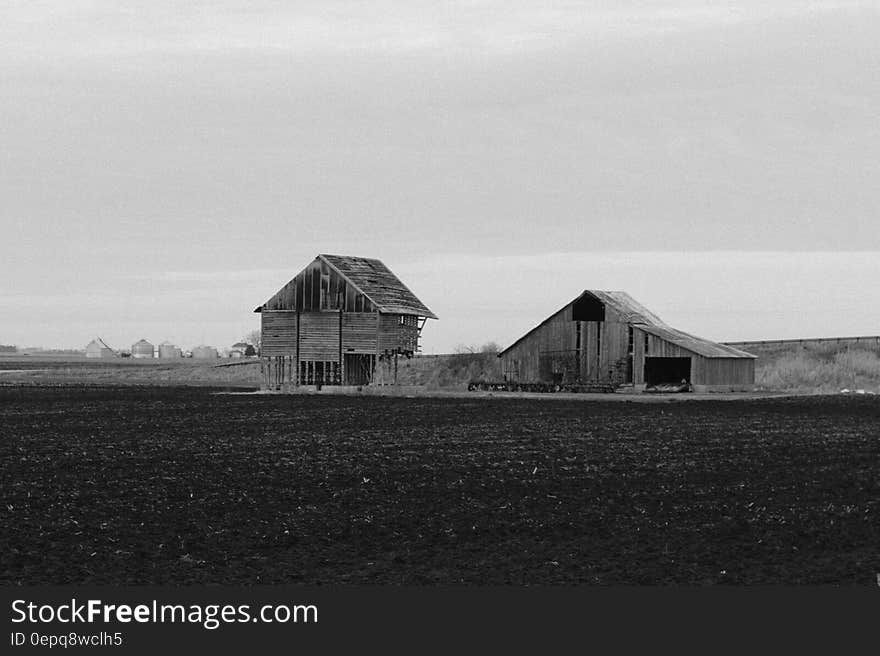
(359, 332)
(278, 333)
(319, 336)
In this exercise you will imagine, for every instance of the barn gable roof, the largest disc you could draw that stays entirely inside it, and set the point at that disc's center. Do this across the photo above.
(636, 314)
(375, 281)
(379, 284)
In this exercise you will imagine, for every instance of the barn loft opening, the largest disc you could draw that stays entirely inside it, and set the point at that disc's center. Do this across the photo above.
(660, 371)
(588, 308)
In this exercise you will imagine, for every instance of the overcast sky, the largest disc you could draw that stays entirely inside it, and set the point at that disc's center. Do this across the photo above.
(166, 166)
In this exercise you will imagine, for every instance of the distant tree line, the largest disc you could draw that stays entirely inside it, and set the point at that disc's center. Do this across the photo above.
(8, 348)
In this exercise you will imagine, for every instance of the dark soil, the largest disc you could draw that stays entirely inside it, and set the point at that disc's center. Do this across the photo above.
(157, 485)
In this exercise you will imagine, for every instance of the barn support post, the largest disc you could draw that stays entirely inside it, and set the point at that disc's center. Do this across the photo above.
(297, 381)
(340, 373)
(378, 357)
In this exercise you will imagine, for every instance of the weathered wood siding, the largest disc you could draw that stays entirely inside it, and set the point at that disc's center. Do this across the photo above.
(604, 351)
(319, 336)
(408, 333)
(602, 348)
(387, 337)
(278, 333)
(735, 372)
(359, 332)
(319, 287)
(725, 371)
(397, 332)
(522, 363)
(320, 323)
(639, 339)
(660, 348)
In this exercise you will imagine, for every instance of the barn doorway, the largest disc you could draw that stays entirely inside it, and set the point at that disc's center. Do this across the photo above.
(659, 371)
(587, 308)
(359, 368)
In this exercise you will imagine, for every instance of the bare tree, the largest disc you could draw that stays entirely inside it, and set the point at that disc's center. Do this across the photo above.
(254, 338)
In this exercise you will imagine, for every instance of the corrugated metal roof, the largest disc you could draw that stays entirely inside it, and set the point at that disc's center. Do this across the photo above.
(638, 315)
(379, 284)
(626, 306)
(698, 345)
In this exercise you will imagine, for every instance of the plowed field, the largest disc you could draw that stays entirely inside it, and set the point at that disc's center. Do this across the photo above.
(155, 485)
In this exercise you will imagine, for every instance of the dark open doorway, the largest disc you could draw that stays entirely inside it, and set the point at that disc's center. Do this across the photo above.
(667, 370)
(359, 368)
(588, 308)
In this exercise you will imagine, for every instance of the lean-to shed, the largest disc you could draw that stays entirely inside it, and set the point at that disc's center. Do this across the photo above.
(341, 320)
(608, 337)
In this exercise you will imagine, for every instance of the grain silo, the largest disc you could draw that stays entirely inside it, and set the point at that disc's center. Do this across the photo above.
(168, 351)
(142, 349)
(205, 352)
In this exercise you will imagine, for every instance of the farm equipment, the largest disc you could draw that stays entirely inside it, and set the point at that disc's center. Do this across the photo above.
(576, 388)
(666, 388)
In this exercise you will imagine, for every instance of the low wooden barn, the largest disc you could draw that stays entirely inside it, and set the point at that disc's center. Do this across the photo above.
(608, 338)
(341, 321)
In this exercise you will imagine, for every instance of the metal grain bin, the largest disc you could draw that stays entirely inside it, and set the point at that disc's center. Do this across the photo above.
(142, 349)
(205, 352)
(168, 351)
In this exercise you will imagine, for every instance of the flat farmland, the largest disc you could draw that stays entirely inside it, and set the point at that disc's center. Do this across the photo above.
(139, 485)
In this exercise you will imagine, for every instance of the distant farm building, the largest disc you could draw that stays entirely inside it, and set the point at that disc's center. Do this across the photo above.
(608, 338)
(98, 349)
(142, 349)
(168, 351)
(241, 350)
(341, 321)
(205, 353)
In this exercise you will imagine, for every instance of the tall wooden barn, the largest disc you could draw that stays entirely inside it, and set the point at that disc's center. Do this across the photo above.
(341, 321)
(608, 338)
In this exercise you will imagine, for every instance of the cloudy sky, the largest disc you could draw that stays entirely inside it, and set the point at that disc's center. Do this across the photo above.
(166, 166)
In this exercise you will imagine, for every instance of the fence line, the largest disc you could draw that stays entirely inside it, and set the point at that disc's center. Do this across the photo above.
(872, 339)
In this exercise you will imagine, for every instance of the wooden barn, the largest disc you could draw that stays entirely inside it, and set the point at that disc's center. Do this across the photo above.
(608, 338)
(98, 349)
(341, 321)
